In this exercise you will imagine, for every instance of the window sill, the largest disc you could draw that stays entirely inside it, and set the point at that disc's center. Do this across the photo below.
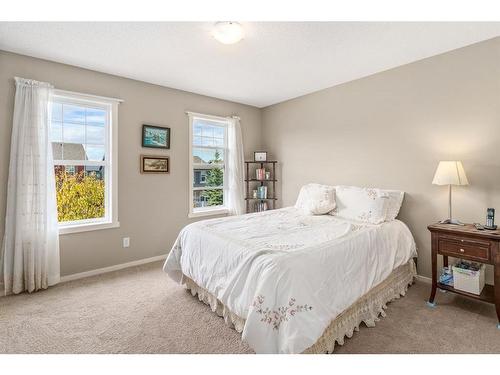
(77, 228)
(214, 212)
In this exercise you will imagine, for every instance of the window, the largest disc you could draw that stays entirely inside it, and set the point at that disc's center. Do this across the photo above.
(203, 177)
(83, 132)
(208, 149)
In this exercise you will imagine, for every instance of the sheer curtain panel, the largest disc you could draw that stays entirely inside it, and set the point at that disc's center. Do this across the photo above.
(236, 168)
(30, 248)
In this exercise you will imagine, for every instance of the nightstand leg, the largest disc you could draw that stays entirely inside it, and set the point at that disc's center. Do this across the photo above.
(445, 264)
(497, 286)
(434, 271)
(431, 302)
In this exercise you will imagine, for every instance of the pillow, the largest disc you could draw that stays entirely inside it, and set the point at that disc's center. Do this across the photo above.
(362, 204)
(316, 199)
(395, 202)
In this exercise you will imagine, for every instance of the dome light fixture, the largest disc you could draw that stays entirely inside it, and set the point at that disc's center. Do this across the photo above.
(228, 32)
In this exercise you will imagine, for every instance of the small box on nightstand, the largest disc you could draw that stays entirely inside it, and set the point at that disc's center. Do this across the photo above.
(469, 280)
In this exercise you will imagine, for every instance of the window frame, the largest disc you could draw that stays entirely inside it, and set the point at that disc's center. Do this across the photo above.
(211, 210)
(110, 164)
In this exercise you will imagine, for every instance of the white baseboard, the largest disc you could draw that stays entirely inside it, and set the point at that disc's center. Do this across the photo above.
(424, 279)
(116, 267)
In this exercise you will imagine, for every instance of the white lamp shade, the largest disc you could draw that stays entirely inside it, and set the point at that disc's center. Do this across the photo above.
(450, 173)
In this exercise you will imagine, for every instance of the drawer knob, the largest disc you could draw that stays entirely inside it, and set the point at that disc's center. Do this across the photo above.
(462, 240)
(462, 250)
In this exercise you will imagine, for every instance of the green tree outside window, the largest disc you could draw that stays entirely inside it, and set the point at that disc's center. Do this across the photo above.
(79, 196)
(215, 178)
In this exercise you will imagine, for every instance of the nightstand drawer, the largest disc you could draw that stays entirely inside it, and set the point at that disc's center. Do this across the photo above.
(479, 250)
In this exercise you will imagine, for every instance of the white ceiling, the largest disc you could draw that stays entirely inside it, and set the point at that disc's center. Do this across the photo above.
(275, 61)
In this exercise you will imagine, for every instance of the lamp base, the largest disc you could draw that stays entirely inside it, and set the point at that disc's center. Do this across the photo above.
(451, 221)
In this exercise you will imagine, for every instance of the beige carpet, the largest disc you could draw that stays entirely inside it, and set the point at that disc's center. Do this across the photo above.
(139, 310)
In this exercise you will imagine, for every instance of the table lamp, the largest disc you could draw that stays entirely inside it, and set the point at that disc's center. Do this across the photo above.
(450, 173)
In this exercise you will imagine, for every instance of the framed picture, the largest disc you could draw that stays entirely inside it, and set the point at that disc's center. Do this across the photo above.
(260, 156)
(155, 164)
(155, 136)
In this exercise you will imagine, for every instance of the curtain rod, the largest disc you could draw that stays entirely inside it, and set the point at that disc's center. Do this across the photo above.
(56, 90)
(212, 116)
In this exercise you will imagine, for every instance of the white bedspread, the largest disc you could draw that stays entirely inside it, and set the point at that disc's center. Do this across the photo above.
(288, 274)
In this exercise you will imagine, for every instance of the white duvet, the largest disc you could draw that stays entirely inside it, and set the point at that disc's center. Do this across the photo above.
(288, 274)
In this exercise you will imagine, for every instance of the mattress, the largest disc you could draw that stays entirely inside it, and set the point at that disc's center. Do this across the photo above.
(286, 274)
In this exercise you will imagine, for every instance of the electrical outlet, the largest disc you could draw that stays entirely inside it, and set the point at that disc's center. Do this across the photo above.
(126, 241)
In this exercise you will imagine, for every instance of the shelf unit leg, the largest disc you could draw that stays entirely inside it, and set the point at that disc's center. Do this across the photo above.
(274, 185)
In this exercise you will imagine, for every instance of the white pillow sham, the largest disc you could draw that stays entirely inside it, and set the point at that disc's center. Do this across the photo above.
(368, 205)
(395, 201)
(316, 199)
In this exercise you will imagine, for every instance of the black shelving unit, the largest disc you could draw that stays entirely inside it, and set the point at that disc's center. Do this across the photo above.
(251, 182)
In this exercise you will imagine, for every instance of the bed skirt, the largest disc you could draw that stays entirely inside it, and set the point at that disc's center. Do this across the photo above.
(366, 309)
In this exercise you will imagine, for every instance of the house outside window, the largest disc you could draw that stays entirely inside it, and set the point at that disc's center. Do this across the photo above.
(83, 133)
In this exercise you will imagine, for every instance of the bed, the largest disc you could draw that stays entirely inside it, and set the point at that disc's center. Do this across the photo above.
(292, 282)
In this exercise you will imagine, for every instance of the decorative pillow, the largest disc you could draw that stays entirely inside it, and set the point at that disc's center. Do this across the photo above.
(395, 202)
(362, 204)
(316, 199)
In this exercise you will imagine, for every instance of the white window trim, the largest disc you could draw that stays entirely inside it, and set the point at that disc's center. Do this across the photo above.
(111, 164)
(214, 210)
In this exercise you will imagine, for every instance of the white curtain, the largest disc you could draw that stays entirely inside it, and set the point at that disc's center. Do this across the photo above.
(236, 166)
(30, 249)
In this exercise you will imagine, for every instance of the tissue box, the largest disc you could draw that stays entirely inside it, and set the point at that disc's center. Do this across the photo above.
(468, 280)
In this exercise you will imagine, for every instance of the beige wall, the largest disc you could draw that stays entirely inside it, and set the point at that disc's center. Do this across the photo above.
(390, 130)
(152, 208)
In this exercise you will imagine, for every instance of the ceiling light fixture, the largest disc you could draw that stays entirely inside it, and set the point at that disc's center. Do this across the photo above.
(228, 32)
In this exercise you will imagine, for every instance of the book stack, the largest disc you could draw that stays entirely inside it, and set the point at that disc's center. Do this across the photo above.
(260, 173)
(261, 206)
(262, 192)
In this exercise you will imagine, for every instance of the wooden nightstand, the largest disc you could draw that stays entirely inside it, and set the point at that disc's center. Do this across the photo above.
(466, 242)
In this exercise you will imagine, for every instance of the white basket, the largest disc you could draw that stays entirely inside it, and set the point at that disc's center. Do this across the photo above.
(468, 280)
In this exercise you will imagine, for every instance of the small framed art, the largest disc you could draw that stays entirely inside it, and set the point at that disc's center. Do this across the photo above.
(260, 156)
(155, 164)
(155, 136)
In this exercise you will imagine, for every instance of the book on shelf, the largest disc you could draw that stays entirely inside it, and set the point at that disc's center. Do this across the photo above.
(262, 192)
(260, 206)
(260, 173)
